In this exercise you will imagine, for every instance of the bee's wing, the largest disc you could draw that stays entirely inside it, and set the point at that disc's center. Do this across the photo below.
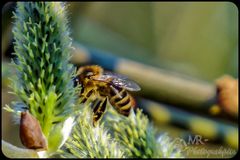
(119, 81)
(126, 83)
(114, 75)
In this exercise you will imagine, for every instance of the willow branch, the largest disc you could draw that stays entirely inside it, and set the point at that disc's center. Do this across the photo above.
(12, 151)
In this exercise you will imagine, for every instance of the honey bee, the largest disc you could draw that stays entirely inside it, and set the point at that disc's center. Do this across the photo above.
(103, 87)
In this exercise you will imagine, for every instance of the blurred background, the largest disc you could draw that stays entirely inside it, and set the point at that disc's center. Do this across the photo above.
(175, 51)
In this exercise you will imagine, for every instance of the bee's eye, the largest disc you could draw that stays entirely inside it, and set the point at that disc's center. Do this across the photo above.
(75, 81)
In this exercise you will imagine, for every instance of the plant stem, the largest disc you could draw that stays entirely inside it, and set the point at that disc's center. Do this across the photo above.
(12, 151)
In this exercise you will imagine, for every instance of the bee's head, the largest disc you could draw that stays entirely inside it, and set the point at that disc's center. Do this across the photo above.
(89, 71)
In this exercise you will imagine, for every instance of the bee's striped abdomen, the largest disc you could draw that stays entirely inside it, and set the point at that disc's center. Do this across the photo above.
(122, 101)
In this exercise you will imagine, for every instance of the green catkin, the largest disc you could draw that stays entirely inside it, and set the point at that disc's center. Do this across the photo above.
(87, 141)
(41, 44)
(134, 136)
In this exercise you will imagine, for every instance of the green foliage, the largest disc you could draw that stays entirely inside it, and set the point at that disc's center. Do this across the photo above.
(117, 136)
(42, 48)
(138, 136)
(87, 141)
(168, 147)
(135, 134)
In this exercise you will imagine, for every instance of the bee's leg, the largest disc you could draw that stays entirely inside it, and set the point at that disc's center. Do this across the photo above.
(87, 96)
(99, 109)
(82, 90)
